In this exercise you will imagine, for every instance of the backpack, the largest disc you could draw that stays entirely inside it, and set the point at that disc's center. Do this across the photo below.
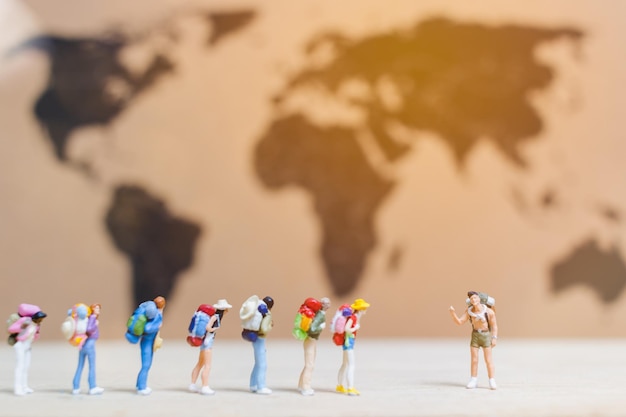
(338, 324)
(17, 321)
(137, 323)
(304, 317)
(73, 328)
(199, 323)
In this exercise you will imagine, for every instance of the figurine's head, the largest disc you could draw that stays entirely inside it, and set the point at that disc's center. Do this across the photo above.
(95, 309)
(325, 303)
(269, 301)
(38, 317)
(474, 297)
(160, 302)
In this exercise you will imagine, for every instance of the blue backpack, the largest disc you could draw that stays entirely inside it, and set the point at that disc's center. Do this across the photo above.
(137, 322)
(198, 324)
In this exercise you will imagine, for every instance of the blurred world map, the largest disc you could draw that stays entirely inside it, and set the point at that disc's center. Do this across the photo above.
(345, 121)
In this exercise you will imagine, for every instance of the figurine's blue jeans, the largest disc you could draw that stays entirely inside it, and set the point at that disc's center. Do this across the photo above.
(257, 379)
(147, 351)
(88, 351)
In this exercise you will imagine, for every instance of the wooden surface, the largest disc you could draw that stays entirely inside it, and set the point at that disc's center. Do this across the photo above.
(396, 378)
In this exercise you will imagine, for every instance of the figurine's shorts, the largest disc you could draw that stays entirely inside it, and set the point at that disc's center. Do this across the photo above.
(208, 341)
(480, 339)
(349, 343)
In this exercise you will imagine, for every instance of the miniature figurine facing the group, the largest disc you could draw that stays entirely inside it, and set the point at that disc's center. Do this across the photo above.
(481, 314)
(81, 329)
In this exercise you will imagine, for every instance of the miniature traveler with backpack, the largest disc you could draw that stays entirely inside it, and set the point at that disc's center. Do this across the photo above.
(85, 332)
(143, 327)
(23, 328)
(256, 320)
(481, 314)
(308, 325)
(204, 323)
(344, 326)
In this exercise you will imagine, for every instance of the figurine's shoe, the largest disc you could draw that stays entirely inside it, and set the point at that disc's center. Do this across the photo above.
(352, 391)
(207, 391)
(28, 390)
(96, 391)
(264, 391)
(253, 389)
(473, 383)
(76, 391)
(19, 392)
(193, 388)
(492, 383)
(341, 389)
(145, 391)
(308, 391)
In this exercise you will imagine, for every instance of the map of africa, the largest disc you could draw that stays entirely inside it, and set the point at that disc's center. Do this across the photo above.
(464, 82)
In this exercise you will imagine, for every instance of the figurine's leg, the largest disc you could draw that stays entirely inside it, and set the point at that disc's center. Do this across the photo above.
(473, 382)
(196, 372)
(19, 368)
(350, 370)
(207, 355)
(146, 363)
(309, 363)
(490, 367)
(260, 360)
(255, 369)
(27, 355)
(79, 371)
(90, 351)
(474, 356)
(341, 376)
(489, 362)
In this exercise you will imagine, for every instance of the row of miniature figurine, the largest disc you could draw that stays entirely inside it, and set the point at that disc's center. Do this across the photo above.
(81, 329)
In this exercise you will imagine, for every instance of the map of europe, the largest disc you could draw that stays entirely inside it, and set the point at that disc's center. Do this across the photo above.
(462, 81)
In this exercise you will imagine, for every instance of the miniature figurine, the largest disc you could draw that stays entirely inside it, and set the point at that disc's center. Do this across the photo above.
(345, 325)
(143, 327)
(206, 321)
(309, 323)
(484, 333)
(256, 320)
(87, 347)
(24, 330)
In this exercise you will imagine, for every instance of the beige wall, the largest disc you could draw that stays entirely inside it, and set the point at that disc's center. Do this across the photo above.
(190, 141)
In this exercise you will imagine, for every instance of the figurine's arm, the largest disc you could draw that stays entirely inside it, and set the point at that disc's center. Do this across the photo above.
(92, 324)
(494, 327)
(29, 330)
(209, 327)
(456, 319)
(153, 326)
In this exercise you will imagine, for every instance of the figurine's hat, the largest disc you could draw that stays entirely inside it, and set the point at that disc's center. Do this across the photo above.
(360, 304)
(249, 307)
(222, 304)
